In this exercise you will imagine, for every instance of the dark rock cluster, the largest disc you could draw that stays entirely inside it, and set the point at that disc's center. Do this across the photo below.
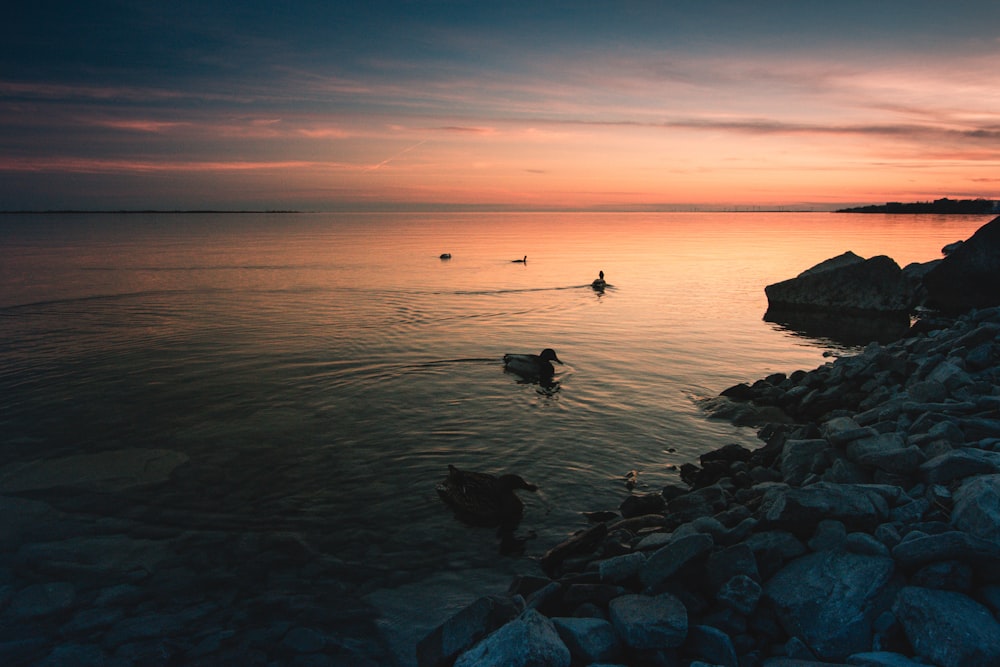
(865, 531)
(965, 278)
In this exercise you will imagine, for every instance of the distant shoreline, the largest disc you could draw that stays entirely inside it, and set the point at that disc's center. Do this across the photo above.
(939, 206)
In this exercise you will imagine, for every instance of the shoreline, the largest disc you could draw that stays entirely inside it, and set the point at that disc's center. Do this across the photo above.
(865, 530)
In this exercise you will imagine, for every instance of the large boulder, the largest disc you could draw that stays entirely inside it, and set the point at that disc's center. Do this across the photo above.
(948, 628)
(830, 599)
(846, 283)
(528, 640)
(977, 508)
(970, 276)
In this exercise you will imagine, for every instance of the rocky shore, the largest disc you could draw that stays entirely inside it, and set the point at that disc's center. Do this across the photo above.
(864, 531)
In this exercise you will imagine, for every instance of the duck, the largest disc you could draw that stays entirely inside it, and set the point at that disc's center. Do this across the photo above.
(532, 366)
(599, 282)
(483, 499)
(446, 255)
(523, 260)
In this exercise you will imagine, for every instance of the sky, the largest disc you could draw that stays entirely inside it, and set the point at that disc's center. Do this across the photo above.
(412, 105)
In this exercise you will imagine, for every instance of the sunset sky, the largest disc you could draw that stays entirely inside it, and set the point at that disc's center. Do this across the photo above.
(609, 105)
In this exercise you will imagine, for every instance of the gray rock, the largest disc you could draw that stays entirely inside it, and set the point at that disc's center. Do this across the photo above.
(527, 641)
(927, 391)
(741, 593)
(950, 545)
(967, 278)
(669, 560)
(949, 575)
(881, 444)
(959, 464)
(863, 543)
(304, 640)
(621, 568)
(976, 508)
(116, 470)
(830, 600)
(649, 622)
(948, 628)
(830, 535)
(876, 284)
(882, 659)
(797, 459)
(903, 461)
(710, 645)
(727, 563)
(589, 639)
(40, 600)
(467, 627)
(801, 509)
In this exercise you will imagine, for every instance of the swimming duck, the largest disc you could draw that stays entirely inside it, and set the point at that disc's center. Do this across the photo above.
(532, 366)
(483, 499)
(446, 255)
(599, 282)
(520, 261)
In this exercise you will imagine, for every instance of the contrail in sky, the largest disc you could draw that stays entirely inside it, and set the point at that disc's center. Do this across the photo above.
(393, 157)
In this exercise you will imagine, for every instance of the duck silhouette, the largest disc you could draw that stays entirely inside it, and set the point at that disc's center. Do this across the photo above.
(599, 282)
(520, 261)
(532, 366)
(483, 499)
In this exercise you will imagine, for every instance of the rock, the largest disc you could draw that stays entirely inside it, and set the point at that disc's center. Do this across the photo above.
(621, 568)
(461, 632)
(640, 504)
(589, 639)
(582, 542)
(527, 641)
(727, 563)
(41, 600)
(959, 464)
(304, 640)
(970, 276)
(948, 628)
(830, 600)
(976, 508)
(649, 622)
(881, 444)
(797, 458)
(882, 659)
(800, 509)
(949, 545)
(741, 593)
(669, 560)
(116, 470)
(876, 284)
(903, 461)
(710, 645)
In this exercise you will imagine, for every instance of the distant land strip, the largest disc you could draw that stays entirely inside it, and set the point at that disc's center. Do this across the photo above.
(944, 205)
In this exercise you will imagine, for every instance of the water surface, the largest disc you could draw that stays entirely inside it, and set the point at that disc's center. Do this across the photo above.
(321, 371)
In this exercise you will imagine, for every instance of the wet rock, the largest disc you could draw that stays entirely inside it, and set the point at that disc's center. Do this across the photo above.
(105, 471)
(800, 509)
(710, 645)
(640, 504)
(649, 622)
(959, 464)
(830, 600)
(967, 278)
(948, 628)
(589, 640)
(845, 284)
(669, 560)
(741, 593)
(530, 639)
(41, 600)
(977, 508)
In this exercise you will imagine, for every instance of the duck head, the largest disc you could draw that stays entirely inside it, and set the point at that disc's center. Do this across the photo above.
(548, 354)
(512, 482)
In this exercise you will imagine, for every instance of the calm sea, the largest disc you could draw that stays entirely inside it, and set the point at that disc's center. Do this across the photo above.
(322, 370)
